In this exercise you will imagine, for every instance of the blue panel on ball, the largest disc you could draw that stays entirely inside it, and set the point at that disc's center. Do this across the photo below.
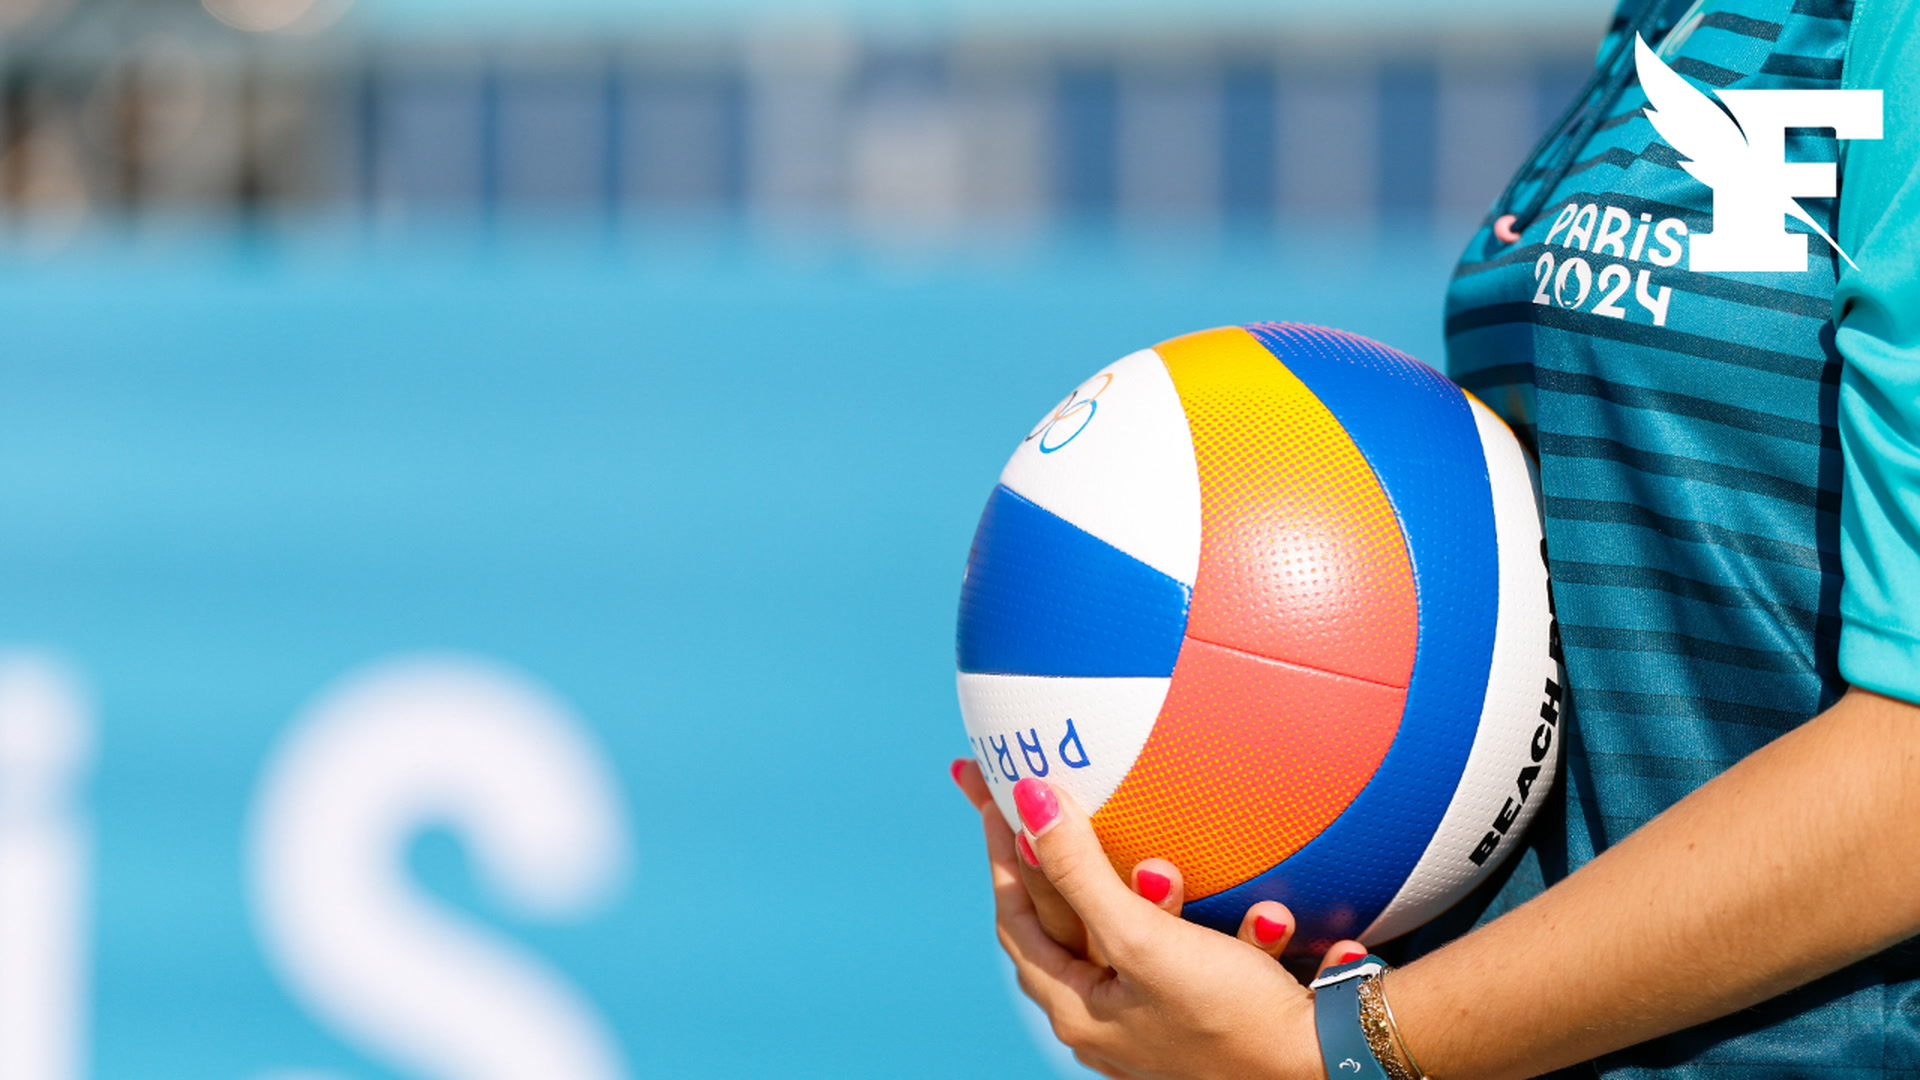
(1043, 597)
(1417, 432)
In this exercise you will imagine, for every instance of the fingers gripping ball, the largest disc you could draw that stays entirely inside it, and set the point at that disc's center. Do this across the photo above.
(1269, 601)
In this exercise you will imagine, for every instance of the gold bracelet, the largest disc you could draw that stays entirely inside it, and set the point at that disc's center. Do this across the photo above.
(1394, 1026)
(1382, 1034)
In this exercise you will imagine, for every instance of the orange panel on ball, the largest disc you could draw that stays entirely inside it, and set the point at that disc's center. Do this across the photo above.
(1301, 555)
(1249, 759)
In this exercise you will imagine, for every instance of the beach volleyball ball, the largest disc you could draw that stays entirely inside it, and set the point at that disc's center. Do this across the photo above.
(1271, 603)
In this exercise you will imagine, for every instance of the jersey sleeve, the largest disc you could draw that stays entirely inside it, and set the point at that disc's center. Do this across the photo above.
(1877, 331)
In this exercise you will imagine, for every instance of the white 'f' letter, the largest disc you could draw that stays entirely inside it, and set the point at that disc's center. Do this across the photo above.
(1750, 216)
(1743, 158)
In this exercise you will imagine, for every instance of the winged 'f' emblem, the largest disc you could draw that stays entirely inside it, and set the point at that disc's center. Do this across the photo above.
(1715, 148)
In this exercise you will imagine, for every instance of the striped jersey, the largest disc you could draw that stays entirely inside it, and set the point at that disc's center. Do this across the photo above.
(1687, 423)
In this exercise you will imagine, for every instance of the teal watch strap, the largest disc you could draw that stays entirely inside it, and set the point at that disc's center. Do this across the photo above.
(1336, 1019)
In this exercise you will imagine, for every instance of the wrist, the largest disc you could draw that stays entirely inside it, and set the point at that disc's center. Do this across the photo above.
(1300, 1057)
(1355, 1026)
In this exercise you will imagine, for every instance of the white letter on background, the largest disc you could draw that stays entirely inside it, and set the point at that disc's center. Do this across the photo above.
(46, 744)
(481, 751)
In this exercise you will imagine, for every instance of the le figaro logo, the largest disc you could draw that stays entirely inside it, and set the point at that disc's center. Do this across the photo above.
(1741, 153)
(1737, 147)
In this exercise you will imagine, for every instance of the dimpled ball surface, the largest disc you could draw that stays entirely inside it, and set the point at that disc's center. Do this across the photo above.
(1269, 602)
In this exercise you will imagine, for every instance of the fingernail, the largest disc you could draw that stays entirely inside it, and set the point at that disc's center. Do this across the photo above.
(954, 769)
(1267, 931)
(1026, 850)
(1352, 955)
(1153, 886)
(1038, 806)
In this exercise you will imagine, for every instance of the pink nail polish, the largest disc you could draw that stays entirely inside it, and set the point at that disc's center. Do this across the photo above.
(954, 769)
(1038, 806)
(1267, 931)
(1352, 954)
(1026, 850)
(1153, 886)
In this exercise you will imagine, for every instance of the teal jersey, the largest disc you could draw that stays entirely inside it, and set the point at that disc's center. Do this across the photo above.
(1725, 412)
(1877, 320)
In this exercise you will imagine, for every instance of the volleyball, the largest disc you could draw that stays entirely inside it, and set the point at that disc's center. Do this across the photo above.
(1271, 603)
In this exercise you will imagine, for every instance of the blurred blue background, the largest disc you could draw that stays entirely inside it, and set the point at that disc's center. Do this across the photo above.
(483, 487)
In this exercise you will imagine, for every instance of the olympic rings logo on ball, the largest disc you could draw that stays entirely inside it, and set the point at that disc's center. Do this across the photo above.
(1072, 417)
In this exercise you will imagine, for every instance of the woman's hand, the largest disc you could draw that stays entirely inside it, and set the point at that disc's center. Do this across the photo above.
(1130, 987)
(1056, 916)
(1774, 872)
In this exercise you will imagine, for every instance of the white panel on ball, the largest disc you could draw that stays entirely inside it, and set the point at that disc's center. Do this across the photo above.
(1080, 734)
(1510, 719)
(1116, 459)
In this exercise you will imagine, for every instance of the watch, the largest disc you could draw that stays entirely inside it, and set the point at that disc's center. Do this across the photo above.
(1336, 1020)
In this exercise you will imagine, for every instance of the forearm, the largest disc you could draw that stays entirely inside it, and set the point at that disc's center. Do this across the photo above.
(1797, 861)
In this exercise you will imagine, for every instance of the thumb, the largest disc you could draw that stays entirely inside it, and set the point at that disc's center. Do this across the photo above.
(1069, 854)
